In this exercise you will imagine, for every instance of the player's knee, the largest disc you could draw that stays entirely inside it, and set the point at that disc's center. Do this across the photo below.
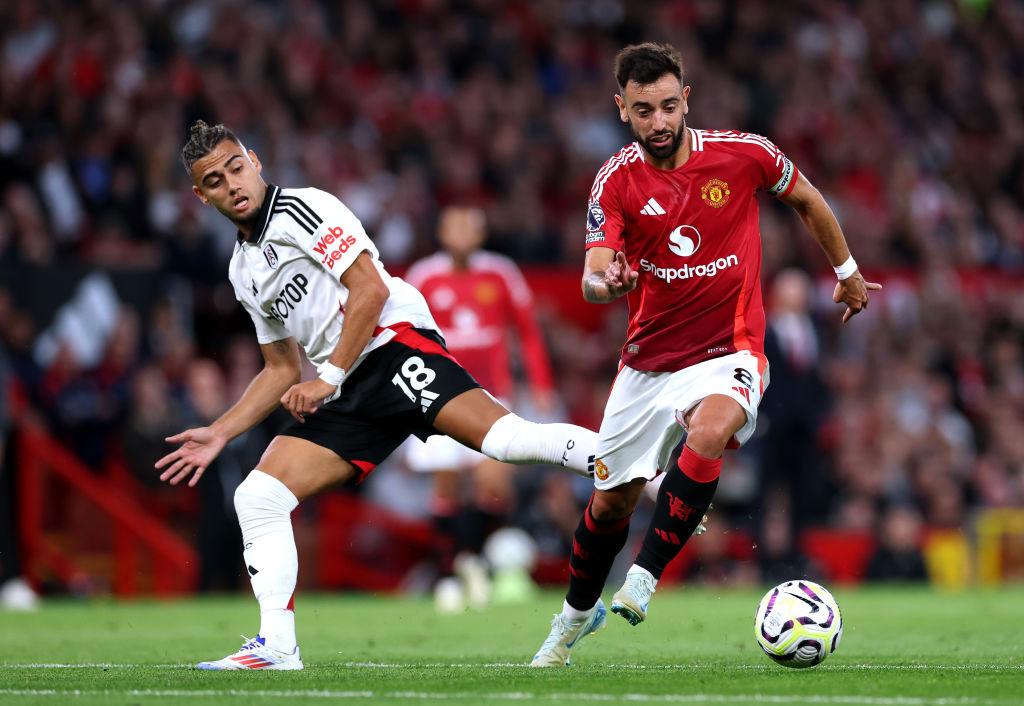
(608, 507)
(247, 496)
(261, 494)
(709, 439)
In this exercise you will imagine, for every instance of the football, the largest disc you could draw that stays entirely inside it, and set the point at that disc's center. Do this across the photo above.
(798, 624)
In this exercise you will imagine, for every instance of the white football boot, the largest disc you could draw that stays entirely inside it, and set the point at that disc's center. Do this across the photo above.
(449, 596)
(472, 571)
(256, 655)
(632, 599)
(565, 634)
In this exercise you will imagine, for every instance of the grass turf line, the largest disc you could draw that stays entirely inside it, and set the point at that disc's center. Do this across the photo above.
(902, 647)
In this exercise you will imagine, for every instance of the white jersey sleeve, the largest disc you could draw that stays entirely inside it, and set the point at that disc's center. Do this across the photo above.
(339, 237)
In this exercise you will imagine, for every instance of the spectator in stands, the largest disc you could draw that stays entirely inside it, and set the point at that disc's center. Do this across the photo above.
(153, 416)
(898, 557)
(794, 404)
(778, 557)
(15, 592)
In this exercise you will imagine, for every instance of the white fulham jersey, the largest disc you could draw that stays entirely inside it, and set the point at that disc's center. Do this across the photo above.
(288, 274)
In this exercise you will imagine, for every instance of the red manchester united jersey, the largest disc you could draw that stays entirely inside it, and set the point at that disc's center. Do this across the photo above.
(692, 233)
(477, 310)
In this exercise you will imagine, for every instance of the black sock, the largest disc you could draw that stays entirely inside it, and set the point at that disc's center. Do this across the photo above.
(594, 547)
(681, 505)
(445, 549)
(473, 526)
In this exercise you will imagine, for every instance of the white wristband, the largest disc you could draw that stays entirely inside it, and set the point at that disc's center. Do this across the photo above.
(332, 374)
(846, 269)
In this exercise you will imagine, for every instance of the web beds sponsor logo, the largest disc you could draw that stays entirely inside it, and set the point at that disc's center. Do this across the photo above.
(671, 274)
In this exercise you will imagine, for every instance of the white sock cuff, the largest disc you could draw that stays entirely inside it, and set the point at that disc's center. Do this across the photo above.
(637, 569)
(574, 613)
(265, 486)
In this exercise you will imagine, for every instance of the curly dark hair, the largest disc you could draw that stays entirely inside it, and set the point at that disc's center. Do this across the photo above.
(646, 63)
(202, 138)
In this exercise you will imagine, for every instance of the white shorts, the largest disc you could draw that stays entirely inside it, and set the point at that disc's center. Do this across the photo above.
(644, 417)
(439, 453)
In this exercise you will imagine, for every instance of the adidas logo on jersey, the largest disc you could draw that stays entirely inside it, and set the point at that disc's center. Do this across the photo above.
(653, 208)
(426, 398)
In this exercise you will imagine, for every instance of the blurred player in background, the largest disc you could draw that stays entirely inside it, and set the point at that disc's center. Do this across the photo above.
(308, 275)
(485, 309)
(672, 225)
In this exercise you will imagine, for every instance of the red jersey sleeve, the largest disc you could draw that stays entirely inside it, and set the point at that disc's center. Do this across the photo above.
(778, 173)
(605, 220)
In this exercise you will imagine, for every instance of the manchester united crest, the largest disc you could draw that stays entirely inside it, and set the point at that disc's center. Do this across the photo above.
(486, 293)
(715, 193)
(600, 469)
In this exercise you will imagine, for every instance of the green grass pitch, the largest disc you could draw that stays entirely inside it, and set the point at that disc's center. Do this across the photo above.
(901, 647)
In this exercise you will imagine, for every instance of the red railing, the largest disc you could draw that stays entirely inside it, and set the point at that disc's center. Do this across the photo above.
(137, 538)
(366, 547)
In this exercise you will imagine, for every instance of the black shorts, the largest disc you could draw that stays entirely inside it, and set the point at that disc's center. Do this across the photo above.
(396, 391)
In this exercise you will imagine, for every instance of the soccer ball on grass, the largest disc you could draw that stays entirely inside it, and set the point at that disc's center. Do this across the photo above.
(798, 624)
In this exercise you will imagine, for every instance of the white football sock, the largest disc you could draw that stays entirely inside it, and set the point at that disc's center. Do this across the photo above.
(513, 439)
(264, 506)
(574, 613)
(635, 569)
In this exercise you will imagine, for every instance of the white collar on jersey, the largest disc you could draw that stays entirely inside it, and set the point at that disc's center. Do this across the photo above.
(262, 216)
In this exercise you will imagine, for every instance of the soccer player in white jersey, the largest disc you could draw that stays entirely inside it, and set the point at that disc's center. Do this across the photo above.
(308, 275)
(672, 225)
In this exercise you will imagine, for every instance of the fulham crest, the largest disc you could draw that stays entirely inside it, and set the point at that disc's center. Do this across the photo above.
(271, 255)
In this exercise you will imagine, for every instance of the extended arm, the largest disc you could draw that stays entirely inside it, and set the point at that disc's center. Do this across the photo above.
(200, 446)
(531, 341)
(367, 295)
(606, 276)
(821, 223)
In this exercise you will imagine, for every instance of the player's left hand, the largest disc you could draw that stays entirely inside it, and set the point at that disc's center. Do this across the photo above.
(306, 397)
(853, 291)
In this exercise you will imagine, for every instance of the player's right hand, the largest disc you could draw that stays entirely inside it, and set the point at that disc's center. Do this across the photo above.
(619, 277)
(199, 447)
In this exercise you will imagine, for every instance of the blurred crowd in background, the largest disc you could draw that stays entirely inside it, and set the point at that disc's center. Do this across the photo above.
(909, 116)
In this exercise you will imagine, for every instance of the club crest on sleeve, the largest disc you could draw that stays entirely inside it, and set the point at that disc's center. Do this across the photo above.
(271, 255)
(595, 216)
(715, 193)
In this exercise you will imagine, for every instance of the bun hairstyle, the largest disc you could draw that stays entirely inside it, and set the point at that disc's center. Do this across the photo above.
(202, 139)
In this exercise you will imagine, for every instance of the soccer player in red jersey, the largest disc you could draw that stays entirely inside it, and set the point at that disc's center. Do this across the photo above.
(672, 225)
(484, 307)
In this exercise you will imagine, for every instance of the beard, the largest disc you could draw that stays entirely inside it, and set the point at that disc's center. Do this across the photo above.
(661, 152)
(250, 219)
